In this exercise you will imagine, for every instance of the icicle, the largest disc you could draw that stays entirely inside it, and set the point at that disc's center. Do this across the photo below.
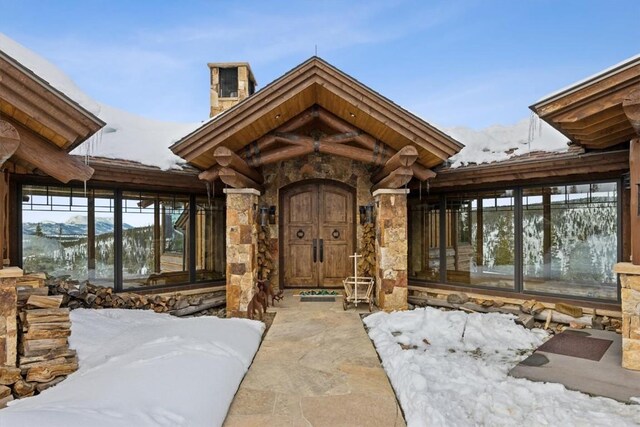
(208, 185)
(420, 195)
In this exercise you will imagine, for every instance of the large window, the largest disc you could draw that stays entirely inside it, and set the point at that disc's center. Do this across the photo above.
(556, 240)
(154, 234)
(570, 240)
(424, 219)
(68, 232)
(480, 239)
(132, 239)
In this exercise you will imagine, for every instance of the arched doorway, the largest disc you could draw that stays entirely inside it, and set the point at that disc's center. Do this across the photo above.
(317, 234)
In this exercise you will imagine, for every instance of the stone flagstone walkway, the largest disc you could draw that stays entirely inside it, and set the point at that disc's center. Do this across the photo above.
(315, 367)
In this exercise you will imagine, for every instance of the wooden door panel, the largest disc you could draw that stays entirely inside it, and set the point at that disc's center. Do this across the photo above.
(300, 213)
(336, 231)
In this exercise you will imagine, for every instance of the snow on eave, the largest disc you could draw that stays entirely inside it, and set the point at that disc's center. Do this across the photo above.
(498, 143)
(601, 75)
(50, 88)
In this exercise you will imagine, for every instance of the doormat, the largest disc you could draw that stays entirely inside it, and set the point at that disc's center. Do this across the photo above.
(317, 298)
(576, 345)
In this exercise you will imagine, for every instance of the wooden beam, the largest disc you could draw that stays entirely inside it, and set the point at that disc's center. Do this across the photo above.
(284, 153)
(227, 158)
(50, 159)
(421, 172)
(407, 156)
(339, 125)
(235, 179)
(210, 174)
(354, 153)
(300, 120)
(293, 138)
(396, 179)
(9, 141)
(631, 107)
(341, 138)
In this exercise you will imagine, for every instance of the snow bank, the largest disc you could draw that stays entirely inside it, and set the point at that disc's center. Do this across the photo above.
(457, 374)
(498, 142)
(139, 368)
(126, 136)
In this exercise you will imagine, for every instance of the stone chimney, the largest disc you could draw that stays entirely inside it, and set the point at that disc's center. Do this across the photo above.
(231, 82)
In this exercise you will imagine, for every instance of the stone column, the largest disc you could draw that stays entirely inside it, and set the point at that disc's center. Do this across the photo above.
(242, 242)
(8, 316)
(391, 248)
(630, 295)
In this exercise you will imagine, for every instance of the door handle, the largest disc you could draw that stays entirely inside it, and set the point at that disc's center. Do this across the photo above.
(321, 250)
(315, 249)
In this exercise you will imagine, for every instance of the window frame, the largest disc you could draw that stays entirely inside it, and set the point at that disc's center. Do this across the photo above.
(117, 233)
(518, 288)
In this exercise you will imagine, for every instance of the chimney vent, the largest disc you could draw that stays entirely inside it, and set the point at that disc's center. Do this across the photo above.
(231, 82)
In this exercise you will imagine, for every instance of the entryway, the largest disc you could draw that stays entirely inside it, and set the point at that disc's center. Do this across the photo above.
(317, 234)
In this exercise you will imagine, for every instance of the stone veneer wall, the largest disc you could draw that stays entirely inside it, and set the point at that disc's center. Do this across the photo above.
(242, 241)
(391, 249)
(313, 166)
(630, 295)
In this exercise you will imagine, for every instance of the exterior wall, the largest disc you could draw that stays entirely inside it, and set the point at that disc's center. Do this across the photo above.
(391, 249)
(313, 166)
(242, 240)
(630, 293)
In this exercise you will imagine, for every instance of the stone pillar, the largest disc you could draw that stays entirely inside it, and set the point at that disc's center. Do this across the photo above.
(630, 295)
(8, 316)
(391, 249)
(242, 243)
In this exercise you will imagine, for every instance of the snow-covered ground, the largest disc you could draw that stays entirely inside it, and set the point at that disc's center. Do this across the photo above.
(139, 368)
(457, 374)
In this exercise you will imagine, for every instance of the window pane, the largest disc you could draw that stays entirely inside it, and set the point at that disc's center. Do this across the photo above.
(60, 236)
(210, 239)
(570, 240)
(480, 239)
(154, 239)
(424, 223)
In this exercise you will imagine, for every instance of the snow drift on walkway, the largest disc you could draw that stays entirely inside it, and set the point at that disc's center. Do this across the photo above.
(139, 368)
(458, 373)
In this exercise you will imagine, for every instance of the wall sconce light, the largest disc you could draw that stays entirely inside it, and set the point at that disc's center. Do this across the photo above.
(264, 216)
(272, 214)
(366, 214)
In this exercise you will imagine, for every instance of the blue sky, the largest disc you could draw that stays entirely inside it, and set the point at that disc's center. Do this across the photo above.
(471, 63)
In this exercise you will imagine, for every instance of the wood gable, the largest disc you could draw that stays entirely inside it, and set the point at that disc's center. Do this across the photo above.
(591, 113)
(316, 108)
(41, 124)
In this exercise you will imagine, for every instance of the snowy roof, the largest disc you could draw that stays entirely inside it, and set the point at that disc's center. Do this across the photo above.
(126, 136)
(498, 143)
(620, 66)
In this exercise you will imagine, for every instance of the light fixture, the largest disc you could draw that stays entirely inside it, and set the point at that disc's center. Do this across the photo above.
(352, 114)
(264, 215)
(366, 214)
(277, 116)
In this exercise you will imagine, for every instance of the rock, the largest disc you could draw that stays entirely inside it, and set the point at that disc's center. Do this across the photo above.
(411, 306)
(5, 400)
(575, 325)
(4, 391)
(487, 303)
(9, 375)
(571, 310)
(525, 320)
(498, 304)
(606, 321)
(460, 298)
(597, 323)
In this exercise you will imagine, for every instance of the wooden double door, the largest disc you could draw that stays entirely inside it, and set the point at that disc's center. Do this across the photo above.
(318, 234)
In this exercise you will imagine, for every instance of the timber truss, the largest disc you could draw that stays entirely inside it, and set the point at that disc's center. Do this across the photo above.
(298, 137)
